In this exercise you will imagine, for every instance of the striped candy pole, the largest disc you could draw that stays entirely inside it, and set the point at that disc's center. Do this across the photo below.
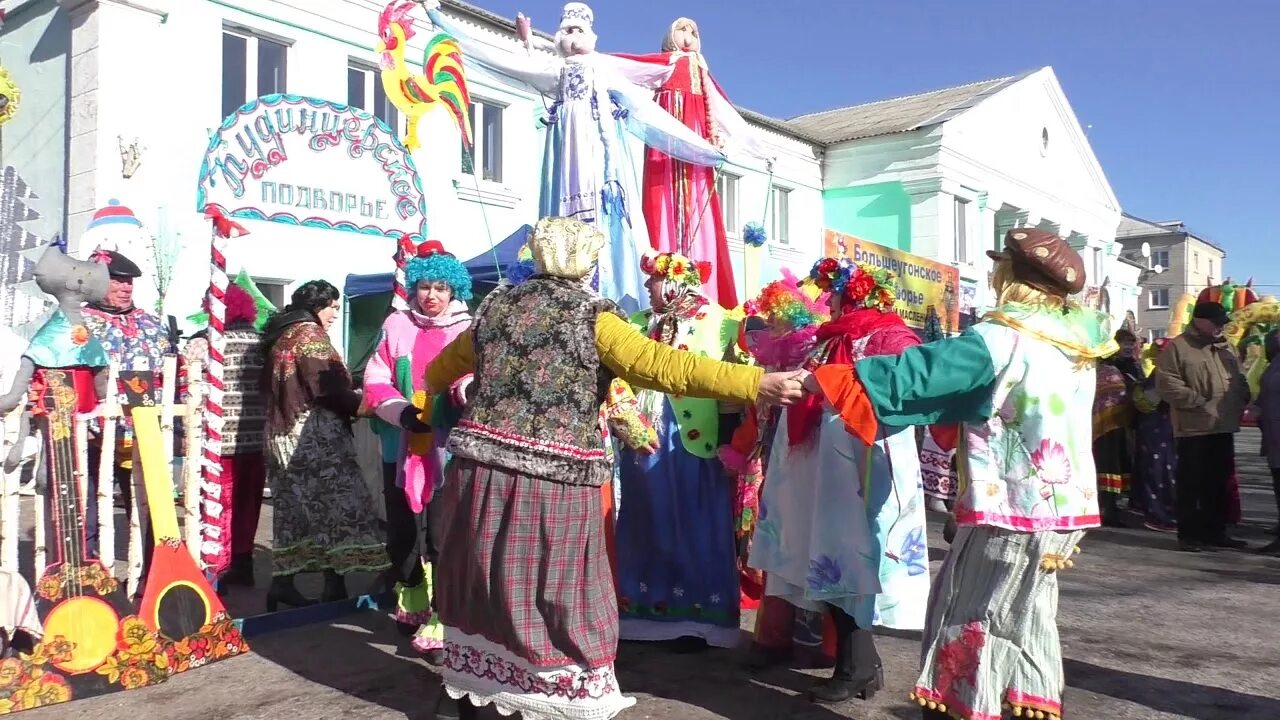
(212, 542)
(400, 293)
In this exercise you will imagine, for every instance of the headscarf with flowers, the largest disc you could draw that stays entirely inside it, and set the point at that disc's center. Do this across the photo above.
(860, 283)
(681, 280)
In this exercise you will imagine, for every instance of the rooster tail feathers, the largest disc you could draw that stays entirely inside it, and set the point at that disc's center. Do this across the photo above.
(442, 67)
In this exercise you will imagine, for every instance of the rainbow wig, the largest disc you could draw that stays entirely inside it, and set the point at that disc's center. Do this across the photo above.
(790, 303)
(439, 267)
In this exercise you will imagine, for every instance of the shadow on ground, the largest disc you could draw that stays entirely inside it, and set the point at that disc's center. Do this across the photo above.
(1176, 697)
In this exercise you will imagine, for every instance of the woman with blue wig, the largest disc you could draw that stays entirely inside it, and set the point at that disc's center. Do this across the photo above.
(438, 286)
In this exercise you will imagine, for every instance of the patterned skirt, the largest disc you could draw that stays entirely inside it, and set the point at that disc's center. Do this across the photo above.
(526, 595)
(991, 639)
(324, 515)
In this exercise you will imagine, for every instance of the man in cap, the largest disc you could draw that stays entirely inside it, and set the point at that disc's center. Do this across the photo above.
(134, 339)
(1021, 384)
(1201, 380)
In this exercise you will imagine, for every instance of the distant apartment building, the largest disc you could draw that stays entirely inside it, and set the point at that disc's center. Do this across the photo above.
(1188, 263)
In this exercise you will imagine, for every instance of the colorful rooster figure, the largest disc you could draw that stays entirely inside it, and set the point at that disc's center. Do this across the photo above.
(442, 80)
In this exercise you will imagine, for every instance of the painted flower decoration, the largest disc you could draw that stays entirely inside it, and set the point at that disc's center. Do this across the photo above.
(824, 573)
(79, 335)
(1051, 462)
(914, 552)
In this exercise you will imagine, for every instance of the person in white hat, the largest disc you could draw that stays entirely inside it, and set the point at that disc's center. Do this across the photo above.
(600, 100)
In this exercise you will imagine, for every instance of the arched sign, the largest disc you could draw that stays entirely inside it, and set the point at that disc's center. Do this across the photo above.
(313, 163)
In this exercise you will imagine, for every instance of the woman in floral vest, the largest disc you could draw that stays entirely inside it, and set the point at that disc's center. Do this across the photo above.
(526, 593)
(1021, 383)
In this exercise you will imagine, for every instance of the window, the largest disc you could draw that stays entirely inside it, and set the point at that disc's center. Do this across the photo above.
(1161, 258)
(1211, 269)
(251, 67)
(1158, 299)
(1099, 269)
(272, 289)
(365, 91)
(1159, 333)
(488, 142)
(727, 189)
(1195, 261)
(782, 216)
(962, 230)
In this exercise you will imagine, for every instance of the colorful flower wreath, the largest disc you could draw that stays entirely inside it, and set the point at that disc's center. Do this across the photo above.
(860, 283)
(677, 269)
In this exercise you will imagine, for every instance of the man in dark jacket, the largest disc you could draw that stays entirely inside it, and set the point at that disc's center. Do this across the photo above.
(1201, 380)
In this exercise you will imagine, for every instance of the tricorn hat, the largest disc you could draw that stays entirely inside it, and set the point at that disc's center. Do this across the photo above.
(1042, 260)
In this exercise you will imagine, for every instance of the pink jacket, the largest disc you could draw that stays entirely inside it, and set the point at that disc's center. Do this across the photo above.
(408, 344)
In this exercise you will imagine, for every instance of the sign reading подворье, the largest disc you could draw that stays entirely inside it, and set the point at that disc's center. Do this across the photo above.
(313, 163)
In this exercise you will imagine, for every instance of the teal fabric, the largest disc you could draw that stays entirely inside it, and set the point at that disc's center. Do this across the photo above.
(945, 382)
(54, 345)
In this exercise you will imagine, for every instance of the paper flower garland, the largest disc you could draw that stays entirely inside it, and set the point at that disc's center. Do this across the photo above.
(265, 308)
(754, 234)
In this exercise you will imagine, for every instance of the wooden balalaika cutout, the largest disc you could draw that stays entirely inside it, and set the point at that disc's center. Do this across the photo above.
(79, 600)
(178, 600)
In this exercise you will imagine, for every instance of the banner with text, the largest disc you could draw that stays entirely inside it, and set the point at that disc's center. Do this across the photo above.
(922, 283)
(313, 163)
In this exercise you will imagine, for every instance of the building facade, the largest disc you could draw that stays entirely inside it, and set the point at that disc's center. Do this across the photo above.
(940, 175)
(1177, 261)
(945, 174)
(114, 78)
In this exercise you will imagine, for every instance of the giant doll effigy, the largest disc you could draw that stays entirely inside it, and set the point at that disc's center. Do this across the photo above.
(589, 173)
(681, 205)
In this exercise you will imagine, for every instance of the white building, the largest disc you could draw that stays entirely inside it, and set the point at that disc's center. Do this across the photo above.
(99, 74)
(945, 174)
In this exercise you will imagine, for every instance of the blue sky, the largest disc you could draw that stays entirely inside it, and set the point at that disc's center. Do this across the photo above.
(1181, 98)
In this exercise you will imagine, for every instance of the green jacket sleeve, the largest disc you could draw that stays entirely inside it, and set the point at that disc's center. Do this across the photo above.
(944, 382)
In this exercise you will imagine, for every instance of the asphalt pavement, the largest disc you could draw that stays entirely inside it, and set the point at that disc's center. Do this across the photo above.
(1149, 633)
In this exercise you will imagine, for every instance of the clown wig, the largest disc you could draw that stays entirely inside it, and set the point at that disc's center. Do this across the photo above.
(439, 267)
(240, 306)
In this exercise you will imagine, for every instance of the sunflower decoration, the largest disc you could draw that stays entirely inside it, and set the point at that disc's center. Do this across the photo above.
(9, 96)
(860, 283)
(676, 269)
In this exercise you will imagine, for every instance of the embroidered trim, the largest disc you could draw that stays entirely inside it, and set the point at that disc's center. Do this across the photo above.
(553, 447)
(1022, 524)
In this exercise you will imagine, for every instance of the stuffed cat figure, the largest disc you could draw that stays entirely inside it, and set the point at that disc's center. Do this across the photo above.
(63, 341)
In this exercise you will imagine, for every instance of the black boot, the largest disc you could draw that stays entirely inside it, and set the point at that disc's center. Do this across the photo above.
(335, 587)
(858, 672)
(927, 714)
(283, 590)
(449, 709)
(240, 572)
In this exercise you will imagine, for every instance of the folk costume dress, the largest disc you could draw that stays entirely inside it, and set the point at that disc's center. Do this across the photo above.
(681, 205)
(842, 522)
(229, 521)
(526, 595)
(1021, 382)
(1112, 421)
(677, 554)
(413, 467)
(324, 517)
(589, 172)
(1155, 458)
